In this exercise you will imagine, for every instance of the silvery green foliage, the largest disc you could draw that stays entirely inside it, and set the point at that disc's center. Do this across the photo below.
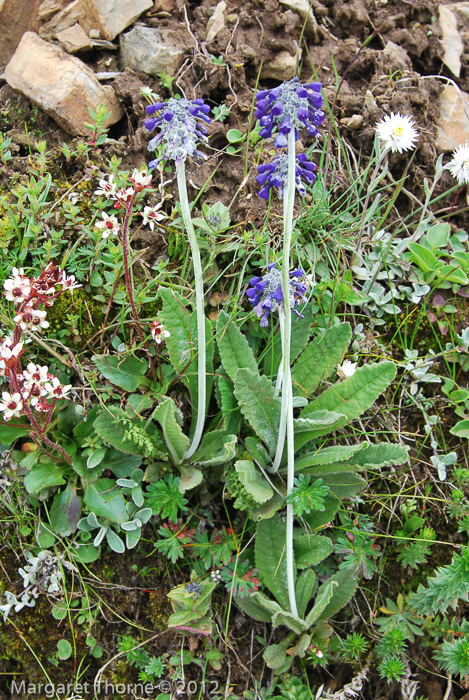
(400, 279)
(42, 574)
(132, 528)
(443, 461)
(418, 369)
(460, 348)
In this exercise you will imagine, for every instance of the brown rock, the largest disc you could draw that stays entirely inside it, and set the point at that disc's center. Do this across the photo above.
(453, 124)
(74, 39)
(59, 84)
(16, 18)
(57, 15)
(111, 17)
(451, 41)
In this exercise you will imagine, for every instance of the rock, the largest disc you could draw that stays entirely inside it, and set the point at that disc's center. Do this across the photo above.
(57, 15)
(74, 39)
(144, 49)
(451, 41)
(355, 122)
(111, 17)
(16, 18)
(59, 84)
(453, 123)
(398, 55)
(304, 9)
(216, 22)
(282, 67)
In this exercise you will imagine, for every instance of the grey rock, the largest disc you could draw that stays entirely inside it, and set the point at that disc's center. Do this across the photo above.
(144, 49)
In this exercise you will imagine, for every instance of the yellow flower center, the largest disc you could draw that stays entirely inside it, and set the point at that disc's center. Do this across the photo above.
(398, 130)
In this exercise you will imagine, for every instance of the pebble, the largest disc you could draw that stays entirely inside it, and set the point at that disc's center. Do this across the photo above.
(453, 123)
(216, 22)
(398, 55)
(282, 67)
(60, 84)
(144, 49)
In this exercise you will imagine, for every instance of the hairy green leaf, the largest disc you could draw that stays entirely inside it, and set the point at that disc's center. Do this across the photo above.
(355, 395)
(234, 348)
(271, 558)
(175, 439)
(127, 373)
(310, 550)
(320, 358)
(253, 481)
(261, 409)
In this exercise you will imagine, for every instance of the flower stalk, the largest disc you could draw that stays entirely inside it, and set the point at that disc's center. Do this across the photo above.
(199, 305)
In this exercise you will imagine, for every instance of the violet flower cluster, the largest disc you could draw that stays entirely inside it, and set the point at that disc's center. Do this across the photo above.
(179, 129)
(289, 106)
(266, 293)
(275, 173)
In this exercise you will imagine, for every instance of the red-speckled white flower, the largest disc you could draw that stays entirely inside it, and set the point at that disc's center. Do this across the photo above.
(140, 180)
(17, 287)
(152, 215)
(107, 188)
(158, 332)
(11, 405)
(108, 225)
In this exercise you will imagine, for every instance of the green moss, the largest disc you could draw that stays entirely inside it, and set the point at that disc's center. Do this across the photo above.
(78, 314)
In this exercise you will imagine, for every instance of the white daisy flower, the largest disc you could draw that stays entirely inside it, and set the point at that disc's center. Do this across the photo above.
(459, 165)
(151, 215)
(397, 133)
(347, 369)
(11, 405)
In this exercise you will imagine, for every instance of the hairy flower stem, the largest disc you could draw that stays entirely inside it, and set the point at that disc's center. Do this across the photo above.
(125, 255)
(287, 393)
(368, 195)
(199, 304)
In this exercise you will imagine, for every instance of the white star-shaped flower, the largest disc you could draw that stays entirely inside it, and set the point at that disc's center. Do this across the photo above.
(397, 133)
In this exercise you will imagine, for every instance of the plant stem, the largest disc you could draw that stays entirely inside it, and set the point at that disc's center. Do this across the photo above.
(368, 195)
(287, 393)
(278, 383)
(125, 254)
(199, 305)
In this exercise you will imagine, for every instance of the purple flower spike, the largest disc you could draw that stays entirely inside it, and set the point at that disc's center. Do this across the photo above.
(275, 174)
(179, 129)
(266, 294)
(289, 106)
